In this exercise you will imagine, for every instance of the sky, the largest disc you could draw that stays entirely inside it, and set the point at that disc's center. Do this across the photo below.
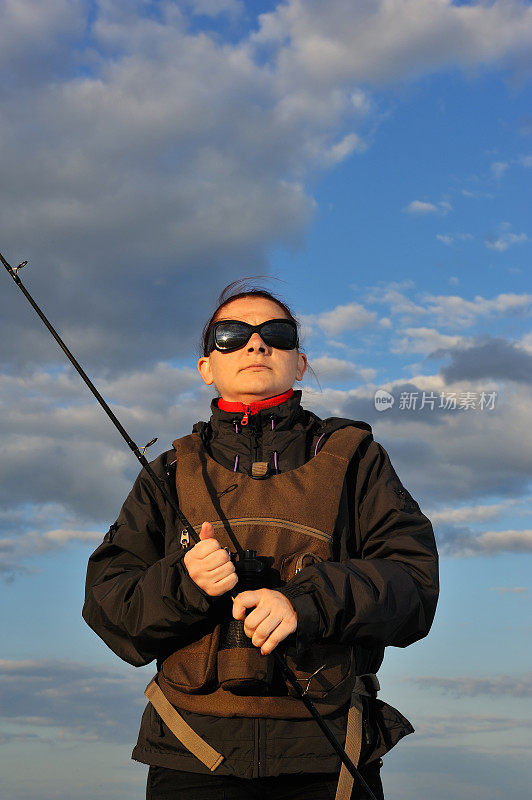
(372, 161)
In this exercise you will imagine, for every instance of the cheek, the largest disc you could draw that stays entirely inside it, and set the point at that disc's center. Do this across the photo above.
(222, 366)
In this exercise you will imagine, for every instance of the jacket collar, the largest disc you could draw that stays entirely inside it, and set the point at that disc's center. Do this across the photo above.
(283, 416)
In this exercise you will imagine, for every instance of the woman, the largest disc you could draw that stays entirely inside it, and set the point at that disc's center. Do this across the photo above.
(345, 565)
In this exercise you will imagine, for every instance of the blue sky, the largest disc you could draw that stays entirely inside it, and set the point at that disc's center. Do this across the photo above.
(375, 158)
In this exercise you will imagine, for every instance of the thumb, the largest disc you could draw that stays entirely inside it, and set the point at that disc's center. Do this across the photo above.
(207, 531)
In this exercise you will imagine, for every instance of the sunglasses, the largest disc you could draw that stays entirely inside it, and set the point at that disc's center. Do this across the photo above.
(232, 334)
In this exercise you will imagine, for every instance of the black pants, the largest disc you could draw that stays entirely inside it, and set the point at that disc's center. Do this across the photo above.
(170, 784)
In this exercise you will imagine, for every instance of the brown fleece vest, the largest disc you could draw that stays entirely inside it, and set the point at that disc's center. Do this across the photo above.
(290, 519)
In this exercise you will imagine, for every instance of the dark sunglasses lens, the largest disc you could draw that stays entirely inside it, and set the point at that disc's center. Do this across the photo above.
(231, 335)
(281, 335)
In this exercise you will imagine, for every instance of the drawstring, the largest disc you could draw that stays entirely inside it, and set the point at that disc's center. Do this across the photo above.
(275, 454)
(235, 423)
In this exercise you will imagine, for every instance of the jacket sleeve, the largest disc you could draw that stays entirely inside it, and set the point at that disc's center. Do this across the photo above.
(137, 599)
(383, 589)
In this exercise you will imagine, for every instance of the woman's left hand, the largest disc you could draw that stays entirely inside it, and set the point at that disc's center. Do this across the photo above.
(273, 617)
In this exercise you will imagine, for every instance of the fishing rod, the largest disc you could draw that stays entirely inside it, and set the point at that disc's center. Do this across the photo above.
(140, 455)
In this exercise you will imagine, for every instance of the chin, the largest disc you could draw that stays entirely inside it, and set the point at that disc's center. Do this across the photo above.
(263, 388)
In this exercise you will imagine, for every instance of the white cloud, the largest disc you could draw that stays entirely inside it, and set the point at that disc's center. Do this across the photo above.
(497, 686)
(61, 536)
(344, 148)
(336, 369)
(498, 168)
(389, 41)
(394, 295)
(526, 342)
(420, 207)
(424, 207)
(447, 311)
(346, 318)
(446, 238)
(520, 590)
(510, 541)
(451, 238)
(426, 340)
(453, 725)
(476, 513)
(456, 311)
(476, 195)
(505, 241)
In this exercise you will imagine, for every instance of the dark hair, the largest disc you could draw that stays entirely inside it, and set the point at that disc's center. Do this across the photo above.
(244, 287)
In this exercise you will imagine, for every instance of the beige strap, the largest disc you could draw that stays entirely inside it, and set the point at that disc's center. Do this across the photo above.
(353, 735)
(181, 729)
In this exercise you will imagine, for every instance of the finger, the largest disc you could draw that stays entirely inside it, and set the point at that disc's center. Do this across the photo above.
(243, 601)
(215, 560)
(267, 626)
(223, 571)
(207, 531)
(203, 549)
(254, 619)
(223, 586)
(278, 635)
(206, 547)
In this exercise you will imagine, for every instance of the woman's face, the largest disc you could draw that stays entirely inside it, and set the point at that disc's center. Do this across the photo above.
(256, 371)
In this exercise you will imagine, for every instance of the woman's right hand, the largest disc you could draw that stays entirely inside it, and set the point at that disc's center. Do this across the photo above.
(209, 565)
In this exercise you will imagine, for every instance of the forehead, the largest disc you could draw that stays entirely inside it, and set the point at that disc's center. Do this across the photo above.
(252, 309)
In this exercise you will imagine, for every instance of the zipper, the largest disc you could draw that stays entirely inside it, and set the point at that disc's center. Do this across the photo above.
(247, 412)
(292, 526)
(256, 440)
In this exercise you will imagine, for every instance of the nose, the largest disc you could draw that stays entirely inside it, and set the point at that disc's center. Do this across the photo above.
(256, 344)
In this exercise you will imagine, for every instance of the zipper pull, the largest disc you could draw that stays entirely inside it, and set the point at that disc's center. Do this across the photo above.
(247, 412)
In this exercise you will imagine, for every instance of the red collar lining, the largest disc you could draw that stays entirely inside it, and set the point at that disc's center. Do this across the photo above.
(254, 408)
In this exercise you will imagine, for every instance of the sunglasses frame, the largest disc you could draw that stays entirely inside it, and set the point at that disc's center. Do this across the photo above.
(212, 344)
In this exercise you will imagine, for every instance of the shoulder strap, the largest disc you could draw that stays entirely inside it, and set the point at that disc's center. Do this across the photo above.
(367, 685)
(187, 444)
(181, 729)
(344, 443)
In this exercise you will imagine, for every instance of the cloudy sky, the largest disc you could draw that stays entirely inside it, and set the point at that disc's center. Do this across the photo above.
(374, 159)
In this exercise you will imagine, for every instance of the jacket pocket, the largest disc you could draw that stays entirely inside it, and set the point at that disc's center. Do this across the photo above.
(325, 671)
(192, 668)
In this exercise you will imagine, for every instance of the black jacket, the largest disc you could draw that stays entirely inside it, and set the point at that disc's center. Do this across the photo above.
(380, 590)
